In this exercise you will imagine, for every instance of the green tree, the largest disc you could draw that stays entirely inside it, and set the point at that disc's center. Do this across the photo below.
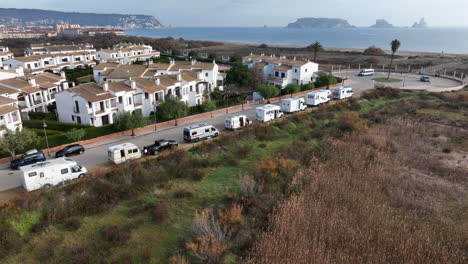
(171, 109)
(291, 89)
(192, 54)
(306, 87)
(239, 74)
(315, 47)
(75, 134)
(395, 45)
(235, 58)
(268, 91)
(13, 141)
(208, 106)
(212, 56)
(129, 121)
(325, 80)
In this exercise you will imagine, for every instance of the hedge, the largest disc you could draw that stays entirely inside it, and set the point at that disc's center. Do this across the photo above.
(52, 125)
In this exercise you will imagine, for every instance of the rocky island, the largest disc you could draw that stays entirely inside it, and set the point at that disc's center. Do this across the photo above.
(422, 24)
(382, 23)
(310, 22)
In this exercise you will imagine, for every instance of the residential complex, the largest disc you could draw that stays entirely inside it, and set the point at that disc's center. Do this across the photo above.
(5, 54)
(280, 71)
(33, 92)
(39, 49)
(127, 53)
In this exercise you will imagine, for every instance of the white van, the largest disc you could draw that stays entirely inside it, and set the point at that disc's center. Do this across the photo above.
(236, 122)
(200, 132)
(342, 92)
(292, 105)
(268, 113)
(366, 72)
(50, 173)
(318, 97)
(123, 152)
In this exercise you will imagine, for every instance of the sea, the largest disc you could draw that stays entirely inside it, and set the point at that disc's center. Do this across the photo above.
(447, 40)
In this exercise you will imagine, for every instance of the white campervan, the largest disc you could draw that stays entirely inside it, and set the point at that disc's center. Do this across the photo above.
(292, 105)
(366, 72)
(342, 92)
(318, 97)
(50, 173)
(121, 153)
(236, 122)
(268, 113)
(200, 132)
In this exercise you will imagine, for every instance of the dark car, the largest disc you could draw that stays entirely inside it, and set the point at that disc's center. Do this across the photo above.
(30, 157)
(158, 146)
(425, 79)
(71, 150)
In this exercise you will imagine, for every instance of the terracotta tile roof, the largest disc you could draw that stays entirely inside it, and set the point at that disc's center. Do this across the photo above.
(204, 66)
(91, 92)
(5, 100)
(28, 58)
(15, 83)
(119, 87)
(190, 76)
(150, 73)
(283, 68)
(168, 80)
(7, 109)
(7, 90)
(101, 66)
(160, 66)
(107, 72)
(148, 85)
(127, 71)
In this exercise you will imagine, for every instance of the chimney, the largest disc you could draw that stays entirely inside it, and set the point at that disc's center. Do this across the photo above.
(62, 74)
(294, 58)
(157, 81)
(132, 84)
(172, 61)
(32, 82)
(151, 61)
(105, 87)
(251, 53)
(263, 54)
(179, 77)
(214, 61)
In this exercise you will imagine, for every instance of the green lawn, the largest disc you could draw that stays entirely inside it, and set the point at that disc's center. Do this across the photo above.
(384, 79)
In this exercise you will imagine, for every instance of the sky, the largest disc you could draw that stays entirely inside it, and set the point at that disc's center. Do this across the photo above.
(266, 12)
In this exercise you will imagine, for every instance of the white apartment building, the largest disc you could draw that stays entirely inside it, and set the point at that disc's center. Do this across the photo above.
(10, 117)
(33, 92)
(280, 71)
(127, 53)
(5, 54)
(7, 74)
(39, 49)
(98, 104)
(36, 64)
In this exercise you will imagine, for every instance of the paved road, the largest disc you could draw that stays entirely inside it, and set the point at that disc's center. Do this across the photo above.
(96, 154)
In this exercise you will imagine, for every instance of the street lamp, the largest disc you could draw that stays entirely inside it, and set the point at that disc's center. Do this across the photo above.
(155, 120)
(44, 125)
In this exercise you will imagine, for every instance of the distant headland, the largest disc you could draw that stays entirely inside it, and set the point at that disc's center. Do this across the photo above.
(312, 22)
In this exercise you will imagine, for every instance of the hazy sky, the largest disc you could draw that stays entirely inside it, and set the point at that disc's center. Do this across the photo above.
(266, 12)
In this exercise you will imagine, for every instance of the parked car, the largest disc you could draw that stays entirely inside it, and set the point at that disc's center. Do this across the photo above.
(71, 150)
(158, 146)
(425, 79)
(200, 132)
(30, 157)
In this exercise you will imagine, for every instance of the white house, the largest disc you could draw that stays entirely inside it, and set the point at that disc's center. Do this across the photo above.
(88, 104)
(8, 74)
(127, 53)
(5, 54)
(281, 71)
(39, 49)
(10, 117)
(36, 64)
(101, 71)
(33, 92)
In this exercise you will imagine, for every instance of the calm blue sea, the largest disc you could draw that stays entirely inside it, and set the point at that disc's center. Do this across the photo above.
(449, 40)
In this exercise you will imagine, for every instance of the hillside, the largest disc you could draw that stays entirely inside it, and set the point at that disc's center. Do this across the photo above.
(379, 179)
(311, 22)
(37, 17)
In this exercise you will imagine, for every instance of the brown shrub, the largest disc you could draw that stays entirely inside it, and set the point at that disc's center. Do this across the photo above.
(197, 175)
(178, 259)
(206, 249)
(72, 224)
(351, 122)
(160, 213)
(265, 132)
(115, 235)
(247, 185)
(373, 50)
(180, 194)
(386, 92)
(10, 241)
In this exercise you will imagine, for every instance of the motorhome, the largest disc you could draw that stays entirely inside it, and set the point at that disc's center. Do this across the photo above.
(236, 122)
(342, 92)
(366, 72)
(50, 173)
(123, 152)
(200, 132)
(318, 97)
(268, 113)
(292, 105)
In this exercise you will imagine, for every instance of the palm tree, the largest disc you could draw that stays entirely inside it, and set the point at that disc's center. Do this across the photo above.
(395, 46)
(316, 47)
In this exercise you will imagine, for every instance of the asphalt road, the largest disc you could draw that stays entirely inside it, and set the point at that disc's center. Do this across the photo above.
(96, 156)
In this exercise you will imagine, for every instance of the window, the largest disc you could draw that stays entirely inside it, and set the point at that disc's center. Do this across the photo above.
(206, 74)
(276, 74)
(73, 118)
(146, 95)
(129, 100)
(32, 174)
(295, 70)
(305, 70)
(64, 171)
(207, 130)
(90, 105)
(194, 133)
(135, 150)
(120, 99)
(41, 175)
(283, 75)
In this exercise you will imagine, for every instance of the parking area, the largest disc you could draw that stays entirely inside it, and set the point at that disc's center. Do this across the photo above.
(408, 81)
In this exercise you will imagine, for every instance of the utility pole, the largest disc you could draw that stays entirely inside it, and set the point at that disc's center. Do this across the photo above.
(44, 125)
